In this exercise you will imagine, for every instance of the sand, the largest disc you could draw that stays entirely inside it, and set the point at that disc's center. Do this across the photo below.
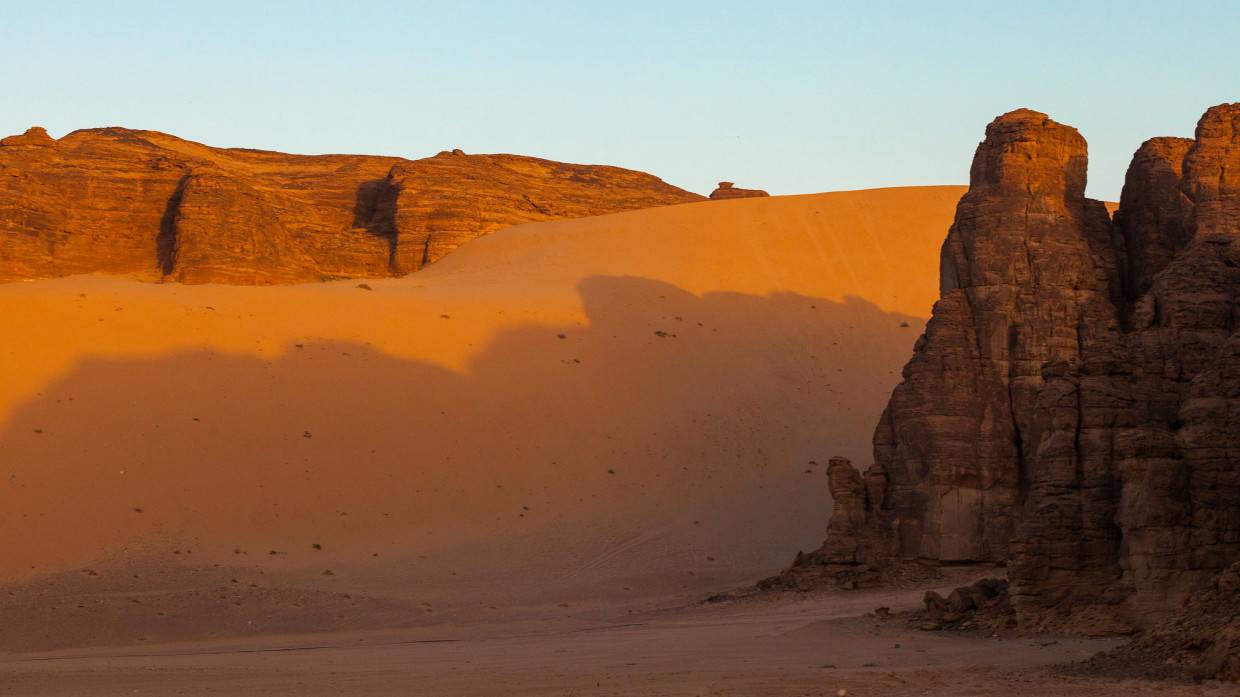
(811, 646)
(538, 447)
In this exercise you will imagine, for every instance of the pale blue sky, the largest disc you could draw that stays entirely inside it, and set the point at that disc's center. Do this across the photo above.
(793, 97)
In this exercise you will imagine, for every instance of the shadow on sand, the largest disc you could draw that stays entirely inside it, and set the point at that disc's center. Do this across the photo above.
(671, 444)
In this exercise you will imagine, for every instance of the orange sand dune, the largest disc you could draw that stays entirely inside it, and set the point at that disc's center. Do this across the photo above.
(608, 410)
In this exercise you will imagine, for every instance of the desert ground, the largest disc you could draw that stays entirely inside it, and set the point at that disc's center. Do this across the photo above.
(519, 471)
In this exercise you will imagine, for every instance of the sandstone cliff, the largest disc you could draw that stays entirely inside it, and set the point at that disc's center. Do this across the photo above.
(1071, 410)
(154, 206)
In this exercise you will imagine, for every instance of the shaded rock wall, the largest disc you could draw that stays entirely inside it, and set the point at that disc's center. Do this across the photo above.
(1018, 290)
(1071, 410)
(154, 206)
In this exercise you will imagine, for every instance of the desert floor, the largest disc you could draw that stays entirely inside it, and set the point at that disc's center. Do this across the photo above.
(516, 472)
(803, 645)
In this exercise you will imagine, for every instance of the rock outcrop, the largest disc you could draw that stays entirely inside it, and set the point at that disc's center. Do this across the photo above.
(728, 190)
(35, 136)
(985, 602)
(153, 206)
(1202, 640)
(1073, 407)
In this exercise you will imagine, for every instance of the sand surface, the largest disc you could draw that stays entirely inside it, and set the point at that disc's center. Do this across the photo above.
(804, 646)
(534, 448)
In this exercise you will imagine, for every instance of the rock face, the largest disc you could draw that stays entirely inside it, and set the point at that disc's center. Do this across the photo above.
(728, 190)
(34, 136)
(1154, 211)
(156, 207)
(1073, 408)
(1202, 640)
(1018, 291)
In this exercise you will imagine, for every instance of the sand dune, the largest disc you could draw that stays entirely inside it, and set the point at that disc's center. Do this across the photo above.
(565, 415)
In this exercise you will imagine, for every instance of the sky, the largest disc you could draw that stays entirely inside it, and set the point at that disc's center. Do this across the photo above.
(792, 97)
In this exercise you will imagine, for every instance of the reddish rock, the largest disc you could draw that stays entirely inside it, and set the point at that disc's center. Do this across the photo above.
(728, 190)
(1152, 413)
(1019, 290)
(1072, 409)
(226, 231)
(1153, 211)
(858, 501)
(153, 206)
(35, 136)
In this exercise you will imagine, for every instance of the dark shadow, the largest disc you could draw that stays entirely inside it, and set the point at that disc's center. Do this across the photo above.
(166, 240)
(673, 443)
(374, 210)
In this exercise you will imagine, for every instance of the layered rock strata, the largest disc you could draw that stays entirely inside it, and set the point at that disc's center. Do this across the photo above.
(1072, 410)
(150, 205)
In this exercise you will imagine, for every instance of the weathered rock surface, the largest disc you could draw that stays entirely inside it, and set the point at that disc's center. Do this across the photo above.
(728, 190)
(1153, 211)
(983, 603)
(154, 206)
(857, 500)
(1071, 409)
(1201, 641)
(858, 553)
(35, 136)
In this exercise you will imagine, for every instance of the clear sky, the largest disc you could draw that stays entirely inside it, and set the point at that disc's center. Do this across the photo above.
(790, 96)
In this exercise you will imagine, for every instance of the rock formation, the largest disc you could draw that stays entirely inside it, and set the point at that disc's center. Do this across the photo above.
(985, 602)
(728, 190)
(34, 136)
(1202, 640)
(1073, 408)
(154, 206)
